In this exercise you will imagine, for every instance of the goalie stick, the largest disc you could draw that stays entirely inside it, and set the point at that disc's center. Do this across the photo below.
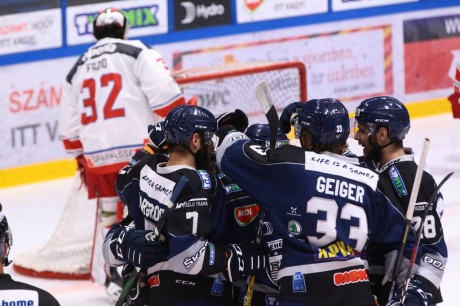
(409, 214)
(418, 237)
(133, 278)
(264, 97)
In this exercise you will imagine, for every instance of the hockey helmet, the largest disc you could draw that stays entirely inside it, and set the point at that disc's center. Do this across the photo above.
(6, 237)
(260, 133)
(110, 22)
(326, 119)
(384, 111)
(185, 120)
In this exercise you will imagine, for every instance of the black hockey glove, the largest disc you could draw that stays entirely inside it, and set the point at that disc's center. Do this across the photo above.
(138, 247)
(157, 136)
(286, 115)
(417, 295)
(236, 118)
(245, 259)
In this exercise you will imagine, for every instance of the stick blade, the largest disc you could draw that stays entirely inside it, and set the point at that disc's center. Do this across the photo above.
(263, 96)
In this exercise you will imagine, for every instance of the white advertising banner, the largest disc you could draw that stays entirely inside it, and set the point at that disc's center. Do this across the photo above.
(342, 5)
(257, 10)
(145, 17)
(349, 65)
(30, 96)
(30, 31)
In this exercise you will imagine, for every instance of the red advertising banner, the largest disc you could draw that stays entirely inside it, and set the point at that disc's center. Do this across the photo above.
(429, 52)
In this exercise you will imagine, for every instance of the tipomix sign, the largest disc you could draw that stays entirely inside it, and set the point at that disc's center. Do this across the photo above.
(201, 13)
(145, 17)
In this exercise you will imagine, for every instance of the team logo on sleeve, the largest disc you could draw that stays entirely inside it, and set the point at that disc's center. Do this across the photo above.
(205, 179)
(397, 181)
(294, 228)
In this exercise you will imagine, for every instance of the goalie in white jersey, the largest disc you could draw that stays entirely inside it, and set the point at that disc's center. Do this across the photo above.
(114, 90)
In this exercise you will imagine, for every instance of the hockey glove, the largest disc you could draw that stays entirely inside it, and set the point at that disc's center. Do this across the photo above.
(286, 115)
(138, 247)
(416, 295)
(157, 136)
(245, 258)
(236, 118)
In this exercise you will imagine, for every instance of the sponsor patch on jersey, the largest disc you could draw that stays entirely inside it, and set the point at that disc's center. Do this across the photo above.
(205, 179)
(154, 280)
(245, 214)
(294, 228)
(232, 188)
(350, 277)
(397, 181)
(217, 287)
(334, 251)
(298, 283)
(212, 254)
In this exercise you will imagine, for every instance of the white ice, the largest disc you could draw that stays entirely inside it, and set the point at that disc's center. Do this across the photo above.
(33, 211)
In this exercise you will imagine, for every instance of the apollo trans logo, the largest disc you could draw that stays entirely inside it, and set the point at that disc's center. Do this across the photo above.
(138, 17)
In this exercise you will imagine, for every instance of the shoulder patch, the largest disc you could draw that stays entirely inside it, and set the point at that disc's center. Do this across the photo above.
(205, 179)
(397, 181)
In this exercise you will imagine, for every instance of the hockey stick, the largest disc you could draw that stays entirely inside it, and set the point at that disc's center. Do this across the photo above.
(409, 214)
(264, 97)
(418, 237)
(133, 278)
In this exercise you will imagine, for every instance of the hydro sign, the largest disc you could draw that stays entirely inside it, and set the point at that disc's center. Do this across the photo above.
(190, 14)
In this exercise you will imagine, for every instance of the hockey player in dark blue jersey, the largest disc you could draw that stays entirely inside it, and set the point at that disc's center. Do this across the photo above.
(381, 126)
(194, 263)
(238, 218)
(326, 208)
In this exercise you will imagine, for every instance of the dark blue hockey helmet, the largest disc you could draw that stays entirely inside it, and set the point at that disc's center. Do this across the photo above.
(326, 119)
(185, 120)
(384, 111)
(6, 237)
(260, 133)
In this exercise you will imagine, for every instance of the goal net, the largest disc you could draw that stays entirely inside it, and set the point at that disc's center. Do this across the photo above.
(220, 88)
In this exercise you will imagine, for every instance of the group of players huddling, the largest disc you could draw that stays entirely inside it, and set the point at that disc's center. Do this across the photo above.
(314, 224)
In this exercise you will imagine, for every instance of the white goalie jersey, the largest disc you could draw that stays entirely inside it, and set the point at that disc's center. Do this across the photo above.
(114, 90)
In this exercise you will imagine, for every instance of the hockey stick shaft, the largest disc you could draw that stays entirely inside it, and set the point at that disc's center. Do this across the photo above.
(265, 99)
(409, 214)
(418, 237)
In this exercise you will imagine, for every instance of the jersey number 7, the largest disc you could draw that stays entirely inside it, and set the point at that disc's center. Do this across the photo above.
(110, 79)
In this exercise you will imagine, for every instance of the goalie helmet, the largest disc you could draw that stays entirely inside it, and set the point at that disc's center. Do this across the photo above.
(185, 120)
(110, 22)
(326, 119)
(384, 111)
(6, 237)
(260, 133)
